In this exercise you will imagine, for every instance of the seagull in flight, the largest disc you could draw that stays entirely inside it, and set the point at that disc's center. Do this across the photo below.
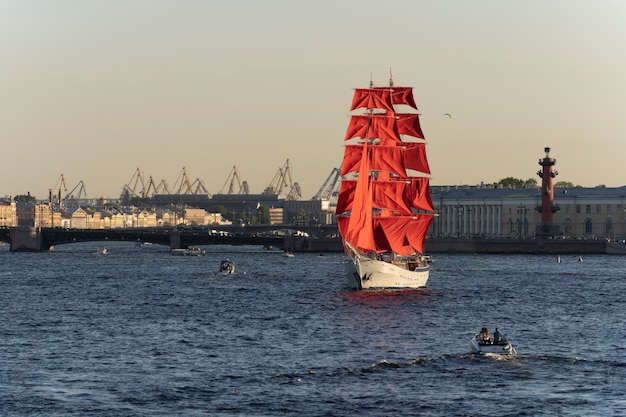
(448, 114)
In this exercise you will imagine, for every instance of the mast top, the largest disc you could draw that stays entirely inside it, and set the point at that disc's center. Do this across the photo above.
(390, 78)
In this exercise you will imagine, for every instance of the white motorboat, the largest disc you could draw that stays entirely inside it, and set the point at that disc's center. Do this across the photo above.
(227, 266)
(190, 251)
(497, 344)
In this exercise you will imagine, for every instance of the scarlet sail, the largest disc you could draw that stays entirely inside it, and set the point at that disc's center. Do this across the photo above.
(384, 208)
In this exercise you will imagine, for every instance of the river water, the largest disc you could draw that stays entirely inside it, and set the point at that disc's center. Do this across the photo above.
(139, 332)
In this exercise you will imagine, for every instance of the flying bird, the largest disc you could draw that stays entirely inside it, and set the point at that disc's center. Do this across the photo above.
(448, 114)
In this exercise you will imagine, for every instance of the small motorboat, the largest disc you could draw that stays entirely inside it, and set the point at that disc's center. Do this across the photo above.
(227, 266)
(190, 251)
(497, 344)
(103, 251)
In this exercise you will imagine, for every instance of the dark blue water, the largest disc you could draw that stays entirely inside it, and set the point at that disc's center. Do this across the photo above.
(142, 333)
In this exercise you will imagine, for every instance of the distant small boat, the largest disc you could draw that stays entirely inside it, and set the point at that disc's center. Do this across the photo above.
(289, 254)
(103, 251)
(227, 266)
(499, 345)
(190, 251)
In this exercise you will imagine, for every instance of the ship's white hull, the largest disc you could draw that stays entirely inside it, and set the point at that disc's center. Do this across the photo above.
(364, 273)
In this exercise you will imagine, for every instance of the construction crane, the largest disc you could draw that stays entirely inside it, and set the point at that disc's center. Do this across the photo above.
(162, 188)
(132, 188)
(281, 180)
(230, 180)
(294, 193)
(198, 187)
(75, 200)
(183, 184)
(330, 189)
(55, 193)
(151, 189)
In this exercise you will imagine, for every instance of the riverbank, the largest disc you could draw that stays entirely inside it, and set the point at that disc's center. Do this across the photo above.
(495, 246)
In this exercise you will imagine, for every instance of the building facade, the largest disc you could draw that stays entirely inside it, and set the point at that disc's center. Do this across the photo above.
(483, 212)
(8, 213)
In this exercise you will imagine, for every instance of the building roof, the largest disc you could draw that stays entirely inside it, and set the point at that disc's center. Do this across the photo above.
(480, 192)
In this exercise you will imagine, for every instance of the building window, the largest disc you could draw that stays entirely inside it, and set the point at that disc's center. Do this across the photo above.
(608, 208)
(598, 208)
(578, 208)
(608, 227)
(588, 227)
(567, 227)
(588, 209)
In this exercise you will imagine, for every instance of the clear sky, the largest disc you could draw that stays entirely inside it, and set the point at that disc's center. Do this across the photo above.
(95, 89)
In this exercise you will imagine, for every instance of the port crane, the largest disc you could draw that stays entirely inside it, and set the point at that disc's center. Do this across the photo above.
(183, 185)
(282, 179)
(242, 185)
(76, 199)
(54, 196)
(330, 189)
(150, 189)
(136, 187)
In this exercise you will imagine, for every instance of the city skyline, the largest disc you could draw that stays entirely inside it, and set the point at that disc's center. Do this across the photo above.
(96, 90)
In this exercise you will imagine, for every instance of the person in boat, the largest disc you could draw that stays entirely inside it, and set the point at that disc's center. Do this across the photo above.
(484, 336)
(497, 337)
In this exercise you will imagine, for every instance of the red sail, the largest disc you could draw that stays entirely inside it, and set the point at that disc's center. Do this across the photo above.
(417, 230)
(366, 240)
(420, 194)
(351, 159)
(369, 98)
(409, 124)
(386, 195)
(377, 211)
(373, 126)
(342, 225)
(346, 197)
(391, 196)
(359, 231)
(415, 157)
(403, 235)
(401, 95)
(384, 158)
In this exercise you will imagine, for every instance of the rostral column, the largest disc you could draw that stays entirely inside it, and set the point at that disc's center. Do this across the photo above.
(547, 208)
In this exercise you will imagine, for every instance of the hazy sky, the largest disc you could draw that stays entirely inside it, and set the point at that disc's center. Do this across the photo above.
(94, 90)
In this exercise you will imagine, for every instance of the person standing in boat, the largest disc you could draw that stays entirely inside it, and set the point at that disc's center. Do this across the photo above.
(497, 337)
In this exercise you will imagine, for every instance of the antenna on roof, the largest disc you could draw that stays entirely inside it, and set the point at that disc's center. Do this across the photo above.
(390, 78)
(371, 81)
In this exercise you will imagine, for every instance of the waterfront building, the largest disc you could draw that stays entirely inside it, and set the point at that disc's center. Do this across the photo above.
(276, 215)
(487, 212)
(8, 213)
(308, 212)
(33, 215)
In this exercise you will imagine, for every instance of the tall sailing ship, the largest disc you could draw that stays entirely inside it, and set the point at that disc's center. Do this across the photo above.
(384, 208)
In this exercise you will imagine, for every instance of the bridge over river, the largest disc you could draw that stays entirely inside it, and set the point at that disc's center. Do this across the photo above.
(30, 239)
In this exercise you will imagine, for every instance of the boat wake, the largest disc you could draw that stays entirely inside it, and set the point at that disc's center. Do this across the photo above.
(462, 362)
